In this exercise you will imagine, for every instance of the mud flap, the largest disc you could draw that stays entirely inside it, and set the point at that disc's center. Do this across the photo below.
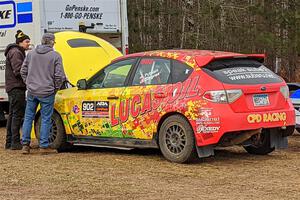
(205, 151)
(277, 141)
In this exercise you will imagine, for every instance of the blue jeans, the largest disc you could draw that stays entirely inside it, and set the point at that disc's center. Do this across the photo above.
(47, 104)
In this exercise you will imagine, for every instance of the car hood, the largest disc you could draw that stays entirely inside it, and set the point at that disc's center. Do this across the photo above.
(83, 54)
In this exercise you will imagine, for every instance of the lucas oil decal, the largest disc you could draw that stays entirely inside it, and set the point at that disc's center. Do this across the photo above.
(146, 102)
(95, 109)
(266, 117)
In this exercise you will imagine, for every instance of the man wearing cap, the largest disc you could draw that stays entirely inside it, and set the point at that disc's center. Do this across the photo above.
(15, 87)
(43, 73)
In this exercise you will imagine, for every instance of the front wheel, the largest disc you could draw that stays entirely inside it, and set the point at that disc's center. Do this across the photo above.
(176, 140)
(57, 136)
(261, 145)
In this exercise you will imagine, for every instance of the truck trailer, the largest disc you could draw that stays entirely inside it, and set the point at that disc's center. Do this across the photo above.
(106, 19)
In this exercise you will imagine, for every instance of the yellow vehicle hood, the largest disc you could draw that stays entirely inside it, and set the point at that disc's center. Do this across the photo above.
(83, 54)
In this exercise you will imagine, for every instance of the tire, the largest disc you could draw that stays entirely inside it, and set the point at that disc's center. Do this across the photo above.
(298, 129)
(262, 146)
(176, 140)
(57, 137)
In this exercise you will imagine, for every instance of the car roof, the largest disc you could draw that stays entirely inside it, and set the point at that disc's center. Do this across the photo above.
(193, 57)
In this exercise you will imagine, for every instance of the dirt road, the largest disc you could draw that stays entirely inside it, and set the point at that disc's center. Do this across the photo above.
(96, 173)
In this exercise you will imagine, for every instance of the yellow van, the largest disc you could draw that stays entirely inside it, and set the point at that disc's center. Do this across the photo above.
(83, 54)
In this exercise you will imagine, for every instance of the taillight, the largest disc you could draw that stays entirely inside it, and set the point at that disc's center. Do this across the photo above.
(218, 96)
(222, 96)
(233, 95)
(285, 91)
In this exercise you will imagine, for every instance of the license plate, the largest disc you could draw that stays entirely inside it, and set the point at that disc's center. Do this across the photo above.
(261, 100)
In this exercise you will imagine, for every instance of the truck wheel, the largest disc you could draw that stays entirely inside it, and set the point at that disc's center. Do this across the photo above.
(262, 145)
(57, 137)
(176, 140)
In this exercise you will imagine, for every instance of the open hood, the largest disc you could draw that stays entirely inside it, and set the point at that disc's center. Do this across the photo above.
(83, 54)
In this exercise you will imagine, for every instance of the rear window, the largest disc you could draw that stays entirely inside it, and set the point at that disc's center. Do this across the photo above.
(77, 43)
(241, 71)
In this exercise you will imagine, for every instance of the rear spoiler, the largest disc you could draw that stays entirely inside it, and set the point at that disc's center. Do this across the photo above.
(204, 60)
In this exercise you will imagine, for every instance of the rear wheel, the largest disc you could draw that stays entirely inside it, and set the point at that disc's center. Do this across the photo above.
(57, 136)
(261, 145)
(176, 140)
(298, 129)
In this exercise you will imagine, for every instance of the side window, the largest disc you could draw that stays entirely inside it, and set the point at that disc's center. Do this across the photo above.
(112, 76)
(77, 43)
(152, 71)
(180, 71)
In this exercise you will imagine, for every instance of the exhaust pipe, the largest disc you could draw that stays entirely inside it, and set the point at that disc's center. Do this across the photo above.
(242, 137)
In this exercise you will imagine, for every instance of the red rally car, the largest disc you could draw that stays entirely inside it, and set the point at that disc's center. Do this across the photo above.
(185, 102)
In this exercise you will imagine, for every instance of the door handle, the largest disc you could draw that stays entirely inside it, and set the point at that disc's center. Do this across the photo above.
(112, 97)
(160, 95)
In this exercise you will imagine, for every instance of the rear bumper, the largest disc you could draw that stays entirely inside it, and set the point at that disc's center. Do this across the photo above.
(236, 122)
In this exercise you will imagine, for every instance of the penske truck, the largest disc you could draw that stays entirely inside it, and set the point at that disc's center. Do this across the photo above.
(106, 19)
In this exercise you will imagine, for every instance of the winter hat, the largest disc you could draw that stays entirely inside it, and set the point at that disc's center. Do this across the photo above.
(47, 38)
(20, 37)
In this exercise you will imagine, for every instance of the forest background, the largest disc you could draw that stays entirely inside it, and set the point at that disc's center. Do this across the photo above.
(247, 26)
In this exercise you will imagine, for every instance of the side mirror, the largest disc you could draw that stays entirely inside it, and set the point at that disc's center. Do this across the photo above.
(66, 84)
(81, 84)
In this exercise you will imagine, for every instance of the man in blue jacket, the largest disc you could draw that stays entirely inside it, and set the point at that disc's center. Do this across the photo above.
(43, 73)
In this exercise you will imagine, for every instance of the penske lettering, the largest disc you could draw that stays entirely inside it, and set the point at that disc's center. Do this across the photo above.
(82, 8)
(81, 12)
(266, 117)
(5, 14)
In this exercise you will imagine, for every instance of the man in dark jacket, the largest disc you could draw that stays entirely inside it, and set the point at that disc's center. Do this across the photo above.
(43, 73)
(15, 87)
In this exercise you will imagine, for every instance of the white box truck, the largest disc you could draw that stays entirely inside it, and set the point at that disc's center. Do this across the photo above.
(103, 18)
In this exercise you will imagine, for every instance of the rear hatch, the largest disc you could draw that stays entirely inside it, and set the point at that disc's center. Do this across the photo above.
(262, 90)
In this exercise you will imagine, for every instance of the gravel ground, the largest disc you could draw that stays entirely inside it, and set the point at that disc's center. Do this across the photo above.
(97, 173)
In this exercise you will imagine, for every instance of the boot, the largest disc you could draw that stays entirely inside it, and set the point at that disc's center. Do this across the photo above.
(7, 146)
(47, 150)
(17, 146)
(25, 149)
